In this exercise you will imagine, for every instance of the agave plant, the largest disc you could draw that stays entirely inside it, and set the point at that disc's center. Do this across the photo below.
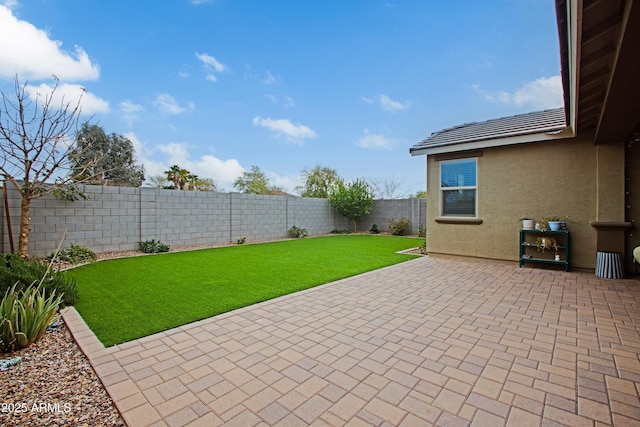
(25, 316)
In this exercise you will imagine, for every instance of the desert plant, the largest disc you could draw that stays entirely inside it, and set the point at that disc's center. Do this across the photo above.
(423, 248)
(153, 247)
(399, 226)
(241, 240)
(297, 232)
(15, 270)
(25, 316)
(422, 231)
(75, 255)
(374, 229)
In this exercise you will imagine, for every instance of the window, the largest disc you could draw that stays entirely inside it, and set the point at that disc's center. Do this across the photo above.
(458, 188)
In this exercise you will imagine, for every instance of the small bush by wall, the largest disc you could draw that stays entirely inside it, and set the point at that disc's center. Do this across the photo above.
(399, 227)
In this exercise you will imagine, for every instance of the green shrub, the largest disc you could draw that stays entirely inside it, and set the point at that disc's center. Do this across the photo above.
(14, 270)
(25, 316)
(422, 231)
(398, 227)
(75, 255)
(338, 231)
(153, 247)
(423, 248)
(374, 229)
(297, 232)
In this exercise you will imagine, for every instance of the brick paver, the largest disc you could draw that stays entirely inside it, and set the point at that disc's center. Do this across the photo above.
(430, 341)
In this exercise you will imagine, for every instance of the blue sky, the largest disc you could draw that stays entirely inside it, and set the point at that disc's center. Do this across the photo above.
(221, 85)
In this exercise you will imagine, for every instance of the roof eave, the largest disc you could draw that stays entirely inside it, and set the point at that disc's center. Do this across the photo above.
(547, 135)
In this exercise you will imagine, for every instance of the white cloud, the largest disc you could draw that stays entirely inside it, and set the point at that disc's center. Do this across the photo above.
(270, 79)
(141, 151)
(375, 141)
(130, 111)
(31, 54)
(540, 93)
(69, 94)
(11, 4)
(295, 134)
(287, 183)
(210, 61)
(183, 74)
(271, 98)
(212, 65)
(177, 152)
(168, 104)
(387, 103)
(223, 172)
(288, 102)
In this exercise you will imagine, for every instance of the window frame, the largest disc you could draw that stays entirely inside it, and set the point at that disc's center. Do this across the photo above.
(463, 187)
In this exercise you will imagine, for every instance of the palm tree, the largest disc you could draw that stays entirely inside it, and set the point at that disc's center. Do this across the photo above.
(192, 181)
(206, 184)
(178, 176)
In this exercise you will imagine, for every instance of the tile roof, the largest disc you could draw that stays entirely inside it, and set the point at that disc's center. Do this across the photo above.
(519, 125)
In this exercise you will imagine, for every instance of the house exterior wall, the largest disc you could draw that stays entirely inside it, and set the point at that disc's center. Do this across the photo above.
(117, 218)
(632, 200)
(572, 177)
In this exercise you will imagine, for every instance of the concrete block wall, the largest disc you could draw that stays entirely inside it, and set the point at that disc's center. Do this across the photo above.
(4, 238)
(117, 218)
(316, 215)
(108, 221)
(385, 210)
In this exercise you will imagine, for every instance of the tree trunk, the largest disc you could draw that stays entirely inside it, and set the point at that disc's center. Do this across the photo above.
(25, 220)
(355, 225)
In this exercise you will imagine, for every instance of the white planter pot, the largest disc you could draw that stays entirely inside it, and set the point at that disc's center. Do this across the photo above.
(527, 224)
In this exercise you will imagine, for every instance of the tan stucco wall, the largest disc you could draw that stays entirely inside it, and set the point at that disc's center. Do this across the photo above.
(611, 196)
(633, 201)
(557, 178)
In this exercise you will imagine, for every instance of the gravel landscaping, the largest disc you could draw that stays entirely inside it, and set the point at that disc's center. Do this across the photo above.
(54, 385)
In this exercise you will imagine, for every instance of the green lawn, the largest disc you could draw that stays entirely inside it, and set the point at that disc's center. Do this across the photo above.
(125, 299)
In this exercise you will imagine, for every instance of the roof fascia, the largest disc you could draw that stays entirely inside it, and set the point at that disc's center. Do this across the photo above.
(498, 142)
(574, 31)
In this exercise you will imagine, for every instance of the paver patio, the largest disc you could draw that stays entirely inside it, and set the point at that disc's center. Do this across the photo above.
(428, 342)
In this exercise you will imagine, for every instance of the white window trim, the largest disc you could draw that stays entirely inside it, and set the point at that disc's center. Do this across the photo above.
(465, 187)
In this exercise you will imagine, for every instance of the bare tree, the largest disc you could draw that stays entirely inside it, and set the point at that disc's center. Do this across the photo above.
(387, 188)
(36, 142)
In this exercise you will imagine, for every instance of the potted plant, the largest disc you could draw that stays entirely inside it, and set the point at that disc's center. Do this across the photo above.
(527, 223)
(556, 223)
(544, 225)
